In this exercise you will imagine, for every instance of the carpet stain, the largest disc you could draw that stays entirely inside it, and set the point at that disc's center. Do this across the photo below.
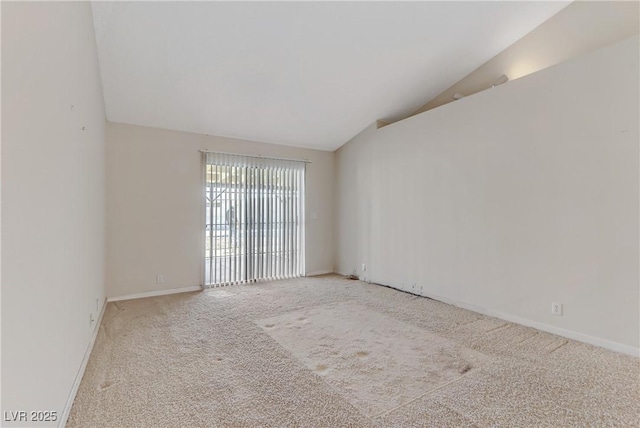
(362, 354)
(321, 368)
(465, 368)
(107, 384)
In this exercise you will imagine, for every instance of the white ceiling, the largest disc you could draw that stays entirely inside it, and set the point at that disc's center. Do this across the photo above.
(307, 74)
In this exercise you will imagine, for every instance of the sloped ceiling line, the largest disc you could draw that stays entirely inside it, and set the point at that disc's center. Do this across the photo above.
(306, 74)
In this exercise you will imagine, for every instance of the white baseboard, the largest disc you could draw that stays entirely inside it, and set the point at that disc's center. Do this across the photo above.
(76, 384)
(318, 272)
(581, 337)
(154, 293)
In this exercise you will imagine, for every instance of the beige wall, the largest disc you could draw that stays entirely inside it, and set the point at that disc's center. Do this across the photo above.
(504, 202)
(53, 206)
(154, 205)
(581, 27)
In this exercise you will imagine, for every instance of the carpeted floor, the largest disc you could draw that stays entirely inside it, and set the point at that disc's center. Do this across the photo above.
(331, 352)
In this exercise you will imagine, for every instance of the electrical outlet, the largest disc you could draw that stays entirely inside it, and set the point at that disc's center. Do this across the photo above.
(364, 267)
(556, 308)
(160, 279)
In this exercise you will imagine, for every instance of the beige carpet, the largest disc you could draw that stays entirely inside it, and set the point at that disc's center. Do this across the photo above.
(328, 352)
(377, 362)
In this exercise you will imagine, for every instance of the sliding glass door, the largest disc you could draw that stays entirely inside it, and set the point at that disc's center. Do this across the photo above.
(254, 219)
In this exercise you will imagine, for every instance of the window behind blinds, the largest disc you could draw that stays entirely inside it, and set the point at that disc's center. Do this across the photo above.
(254, 219)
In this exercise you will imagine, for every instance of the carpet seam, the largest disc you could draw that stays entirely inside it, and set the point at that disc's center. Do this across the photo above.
(418, 397)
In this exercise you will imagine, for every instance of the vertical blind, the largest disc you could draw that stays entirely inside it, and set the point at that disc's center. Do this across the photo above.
(254, 219)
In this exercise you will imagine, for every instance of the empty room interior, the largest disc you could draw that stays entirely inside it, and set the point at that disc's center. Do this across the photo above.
(320, 214)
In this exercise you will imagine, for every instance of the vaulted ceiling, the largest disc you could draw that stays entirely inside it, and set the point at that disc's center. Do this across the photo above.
(307, 74)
